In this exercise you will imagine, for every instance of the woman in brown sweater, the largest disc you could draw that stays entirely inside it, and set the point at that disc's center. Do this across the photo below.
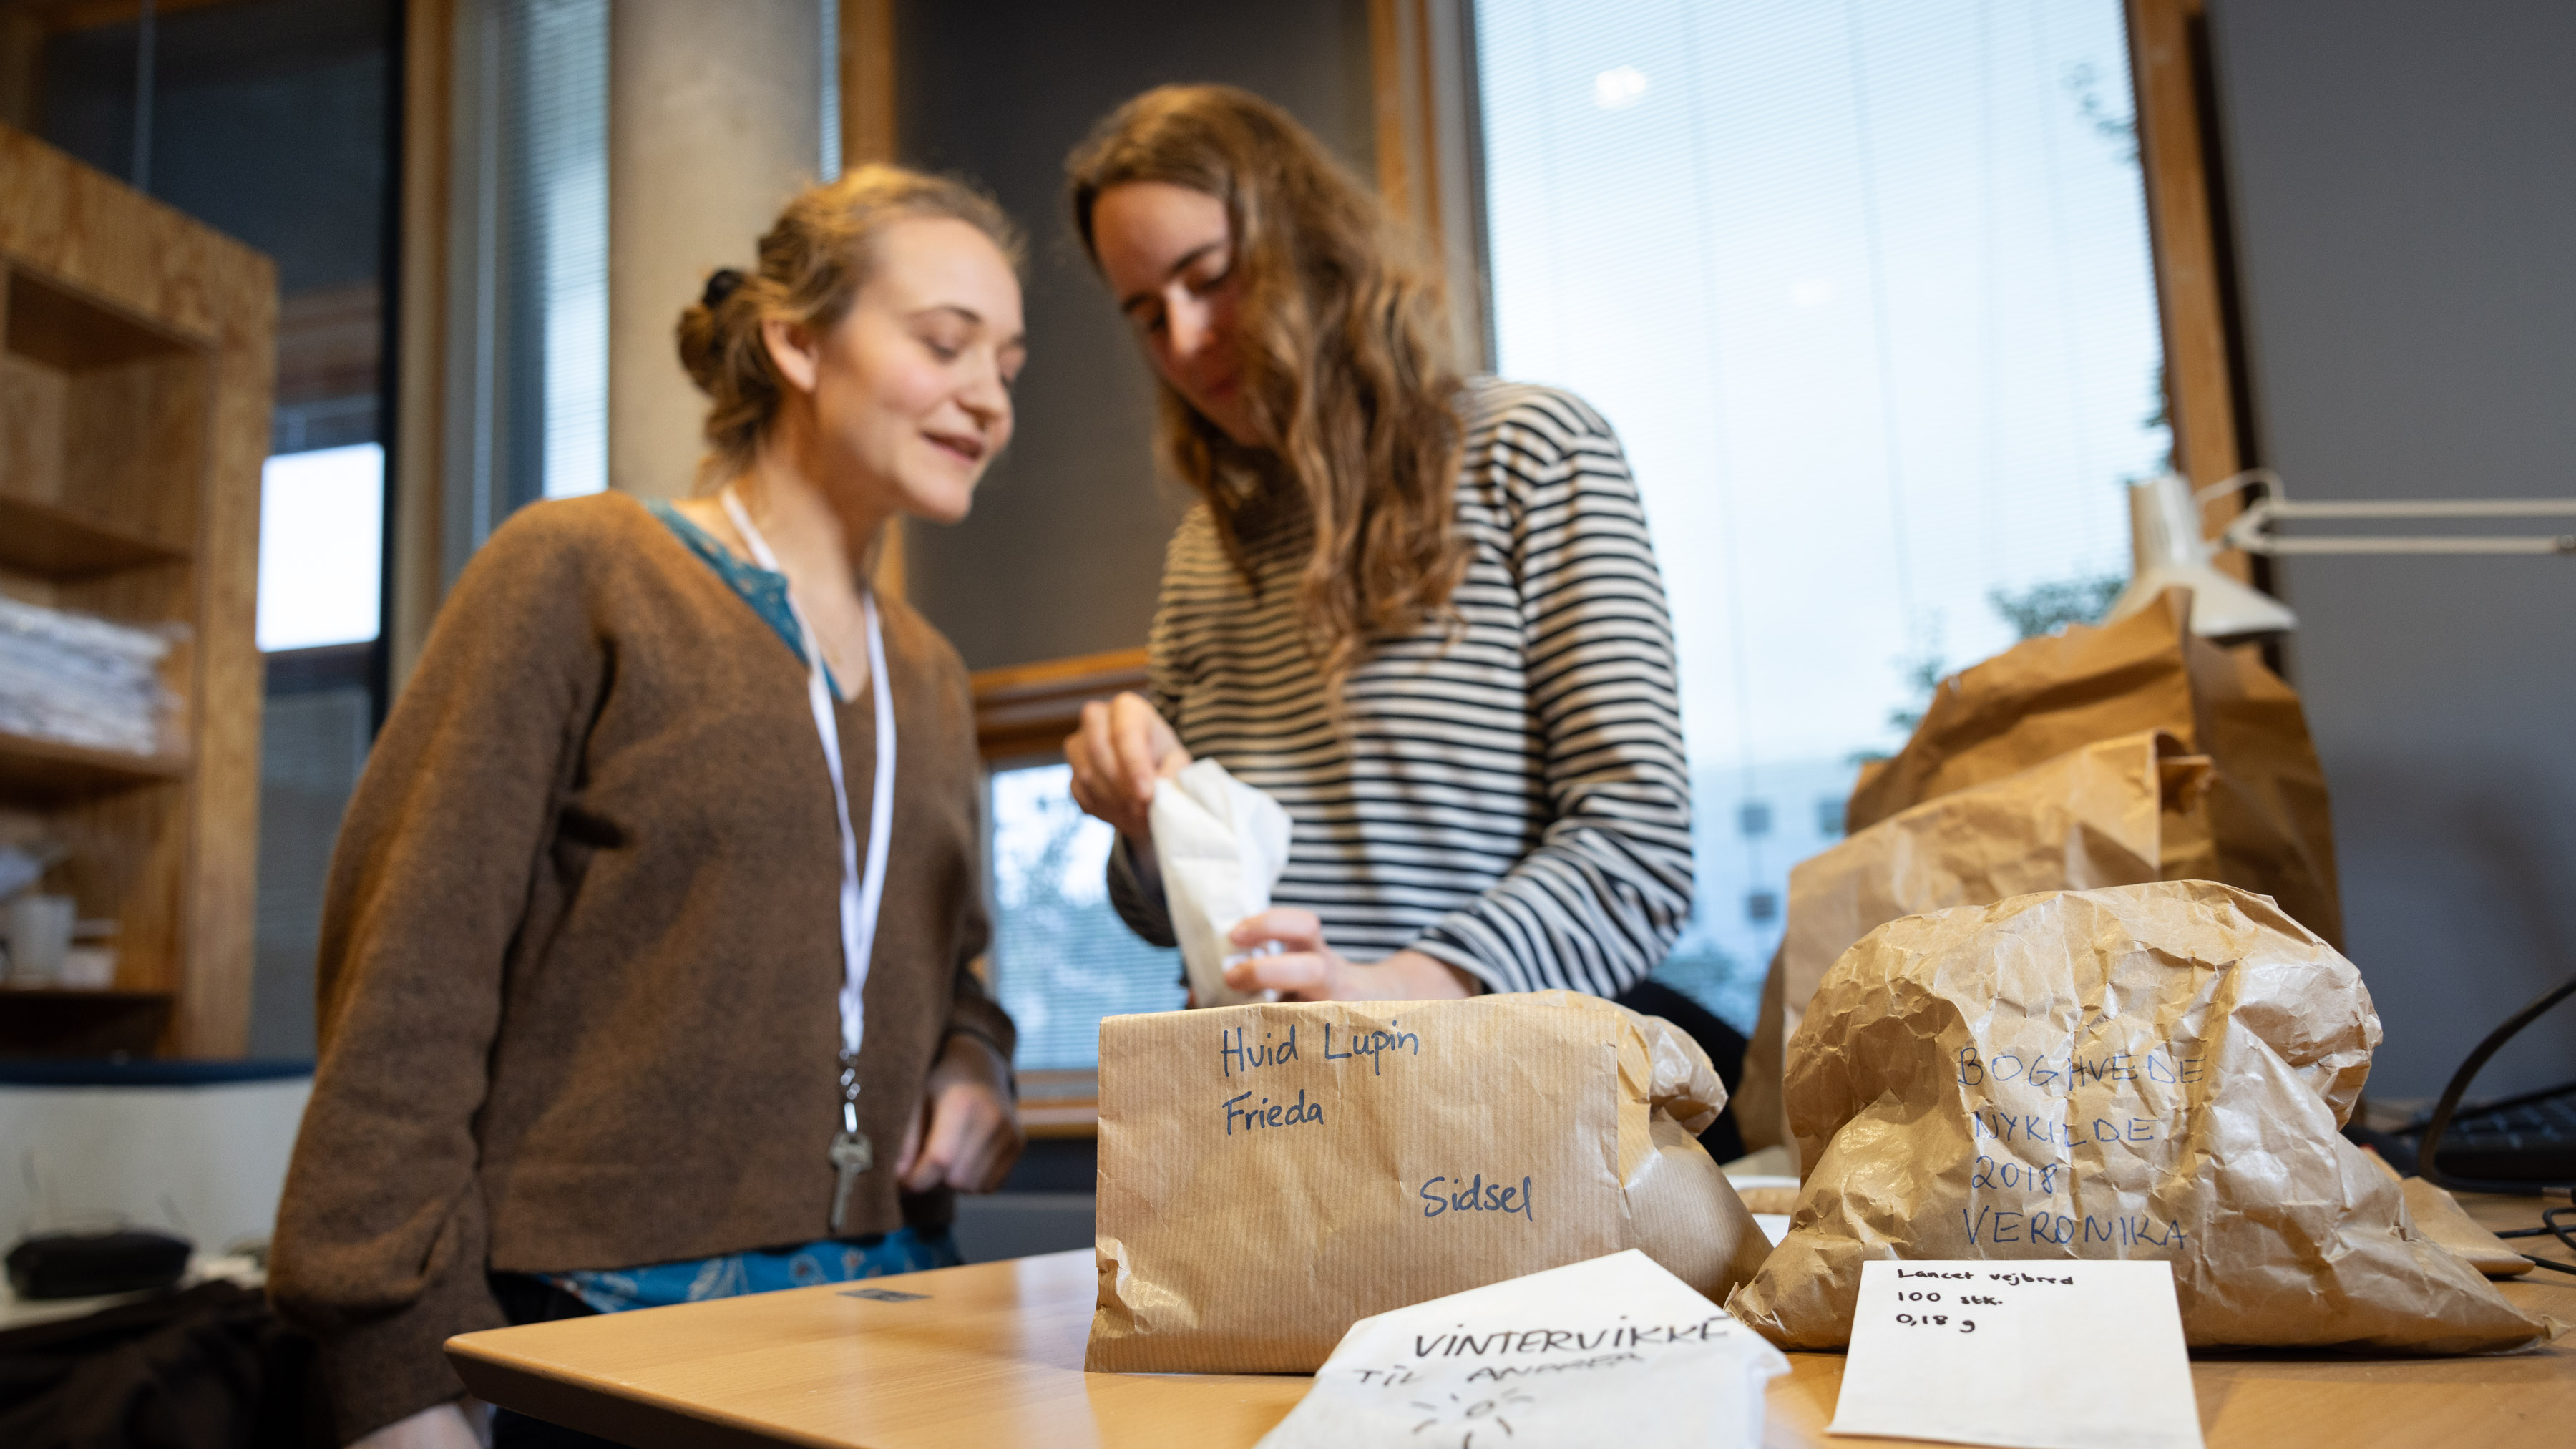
(644, 968)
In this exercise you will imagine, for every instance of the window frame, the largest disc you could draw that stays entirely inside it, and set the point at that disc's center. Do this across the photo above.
(2176, 109)
(1022, 714)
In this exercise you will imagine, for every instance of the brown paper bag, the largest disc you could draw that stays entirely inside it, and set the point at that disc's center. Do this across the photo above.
(2097, 815)
(2148, 1071)
(1269, 1175)
(2266, 822)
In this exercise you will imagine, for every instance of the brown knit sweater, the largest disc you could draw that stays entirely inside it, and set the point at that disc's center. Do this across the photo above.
(580, 953)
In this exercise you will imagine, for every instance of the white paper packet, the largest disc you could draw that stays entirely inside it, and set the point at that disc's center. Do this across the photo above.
(1614, 1350)
(1222, 845)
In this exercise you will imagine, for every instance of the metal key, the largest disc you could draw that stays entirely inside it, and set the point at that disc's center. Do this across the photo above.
(851, 1155)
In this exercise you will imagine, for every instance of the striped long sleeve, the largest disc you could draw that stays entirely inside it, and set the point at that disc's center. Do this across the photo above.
(1509, 795)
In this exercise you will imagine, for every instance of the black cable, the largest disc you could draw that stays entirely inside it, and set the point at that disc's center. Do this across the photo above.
(2459, 1087)
(2416, 1124)
(2550, 1227)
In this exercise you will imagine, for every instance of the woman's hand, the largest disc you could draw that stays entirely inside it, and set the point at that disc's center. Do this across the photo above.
(1122, 748)
(440, 1426)
(1306, 969)
(967, 1133)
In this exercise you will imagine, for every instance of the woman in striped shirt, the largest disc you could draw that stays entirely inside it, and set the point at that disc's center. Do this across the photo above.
(1420, 611)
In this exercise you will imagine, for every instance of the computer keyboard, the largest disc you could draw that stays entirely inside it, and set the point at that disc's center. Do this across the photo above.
(2525, 1141)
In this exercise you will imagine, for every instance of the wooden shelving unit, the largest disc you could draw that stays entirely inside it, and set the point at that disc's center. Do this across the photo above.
(50, 772)
(42, 539)
(135, 362)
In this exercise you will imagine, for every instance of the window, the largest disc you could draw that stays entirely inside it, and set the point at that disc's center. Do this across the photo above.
(321, 522)
(1061, 958)
(1866, 291)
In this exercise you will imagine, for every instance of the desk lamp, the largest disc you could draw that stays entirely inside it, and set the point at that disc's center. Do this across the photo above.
(2164, 519)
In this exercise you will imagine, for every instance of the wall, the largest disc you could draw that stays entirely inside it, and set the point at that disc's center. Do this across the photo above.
(1065, 546)
(206, 1162)
(2400, 175)
(714, 121)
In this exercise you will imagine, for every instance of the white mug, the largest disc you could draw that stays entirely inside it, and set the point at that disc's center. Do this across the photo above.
(40, 931)
(89, 968)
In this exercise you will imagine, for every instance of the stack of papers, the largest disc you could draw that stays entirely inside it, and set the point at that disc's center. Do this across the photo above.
(83, 680)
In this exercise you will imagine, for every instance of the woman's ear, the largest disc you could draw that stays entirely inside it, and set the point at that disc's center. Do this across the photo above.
(793, 350)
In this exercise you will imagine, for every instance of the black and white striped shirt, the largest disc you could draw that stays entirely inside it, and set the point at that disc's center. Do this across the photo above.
(1513, 800)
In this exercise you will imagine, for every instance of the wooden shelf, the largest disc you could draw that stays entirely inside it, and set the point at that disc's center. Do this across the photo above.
(51, 770)
(63, 543)
(48, 1021)
(78, 996)
(59, 327)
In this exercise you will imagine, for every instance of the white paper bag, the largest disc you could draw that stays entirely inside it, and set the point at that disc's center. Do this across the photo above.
(1222, 845)
(1614, 1350)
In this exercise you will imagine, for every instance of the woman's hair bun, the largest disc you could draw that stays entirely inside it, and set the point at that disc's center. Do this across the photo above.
(702, 332)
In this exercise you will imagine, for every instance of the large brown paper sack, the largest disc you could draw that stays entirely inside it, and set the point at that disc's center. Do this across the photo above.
(2267, 827)
(2094, 816)
(1234, 1243)
(2152, 1071)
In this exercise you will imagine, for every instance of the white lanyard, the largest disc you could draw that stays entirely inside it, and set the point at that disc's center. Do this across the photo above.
(860, 896)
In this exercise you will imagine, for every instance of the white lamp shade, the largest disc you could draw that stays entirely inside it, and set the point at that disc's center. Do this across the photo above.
(2171, 553)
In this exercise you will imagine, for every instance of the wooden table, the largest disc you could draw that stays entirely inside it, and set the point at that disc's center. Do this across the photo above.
(992, 1355)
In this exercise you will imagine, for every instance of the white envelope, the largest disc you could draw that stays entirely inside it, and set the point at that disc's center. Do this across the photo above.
(1611, 1351)
(1222, 845)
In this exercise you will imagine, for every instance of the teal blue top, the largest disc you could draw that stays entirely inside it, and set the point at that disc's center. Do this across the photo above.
(764, 589)
(829, 1260)
(762, 1270)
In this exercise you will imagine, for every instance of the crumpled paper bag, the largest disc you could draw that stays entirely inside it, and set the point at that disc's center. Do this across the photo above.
(2098, 815)
(1270, 1174)
(1611, 1351)
(2264, 825)
(2155, 1071)
(1221, 845)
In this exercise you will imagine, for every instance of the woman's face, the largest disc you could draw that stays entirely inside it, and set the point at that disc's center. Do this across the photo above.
(1168, 255)
(911, 390)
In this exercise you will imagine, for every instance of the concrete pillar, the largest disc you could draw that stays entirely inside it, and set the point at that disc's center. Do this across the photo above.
(714, 120)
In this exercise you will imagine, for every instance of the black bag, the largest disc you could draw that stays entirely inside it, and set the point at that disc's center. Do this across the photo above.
(209, 1367)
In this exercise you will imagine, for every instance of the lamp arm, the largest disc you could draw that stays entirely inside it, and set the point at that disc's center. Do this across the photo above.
(2251, 530)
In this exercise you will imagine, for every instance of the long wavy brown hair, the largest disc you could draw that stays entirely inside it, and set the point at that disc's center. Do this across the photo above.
(1343, 331)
